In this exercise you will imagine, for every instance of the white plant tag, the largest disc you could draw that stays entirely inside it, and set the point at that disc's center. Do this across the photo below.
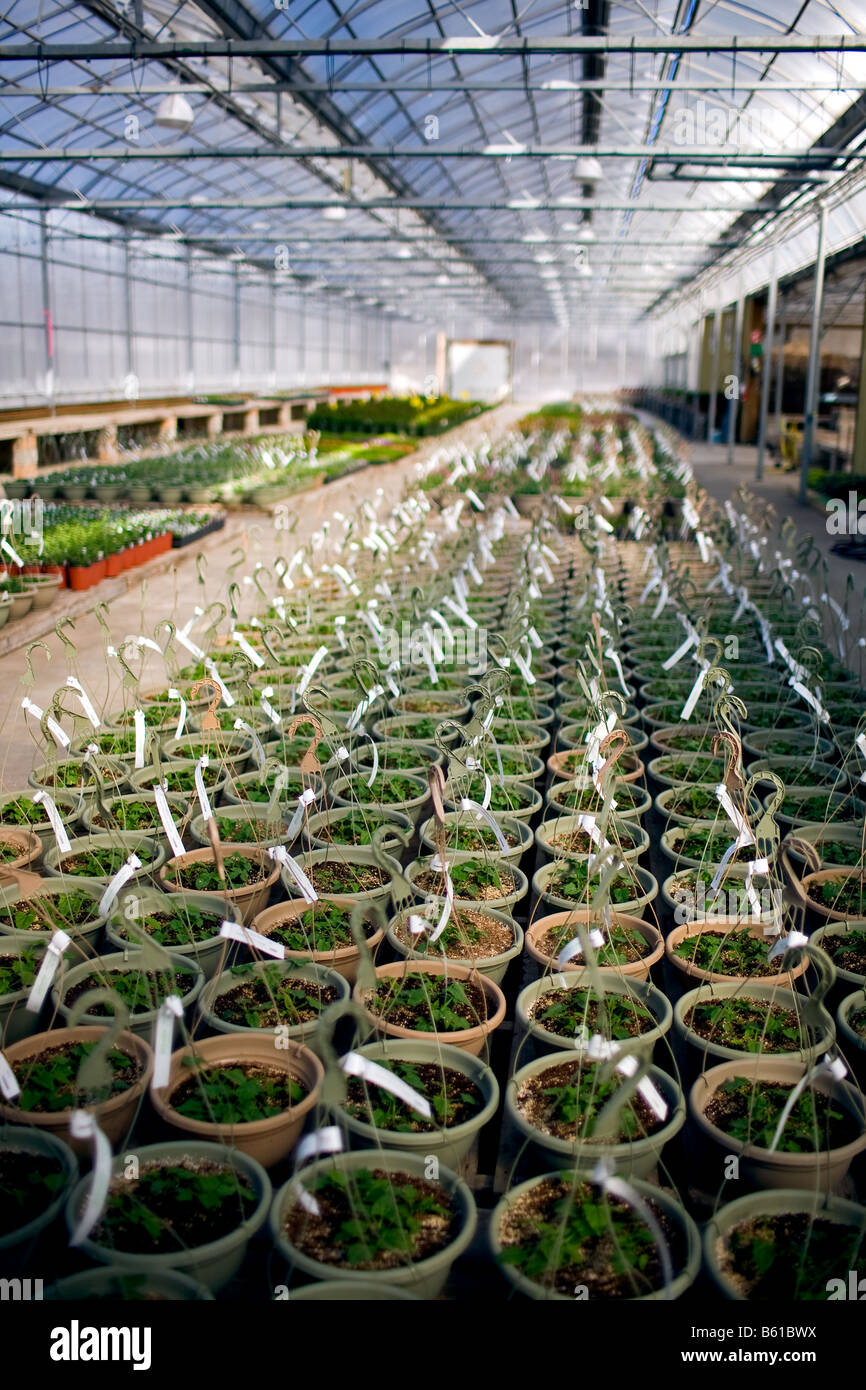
(84, 700)
(233, 931)
(282, 856)
(255, 657)
(353, 1064)
(694, 695)
(211, 668)
(55, 822)
(258, 749)
(312, 666)
(138, 718)
(266, 706)
(163, 1034)
(190, 645)
(181, 719)
(201, 792)
(47, 970)
(83, 1126)
(306, 798)
(574, 948)
(168, 825)
(123, 875)
(654, 1099)
(9, 1087)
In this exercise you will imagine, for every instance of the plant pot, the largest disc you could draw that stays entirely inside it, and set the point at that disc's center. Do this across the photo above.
(24, 846)
(87, 934)
(645, 889)
(683, 1278)
(45, 775)
(114, 1116)
(633, 801)
(512, 880)
(211, 1264)
(20, 605)
(515, 831)
(854, 1043)
(44, 590)
(631, 841)
(149, 851)
(472, 1039)
(16, 1020)
(134, 903)
(816, 1205)
(685, 970)
(17, 1246)
(249, 899)
(426, 1277)
(640, 991)
(141, 1022)
(343, 960)
(635, 970)
(758, 1166)
(99, 1284)
(114, 564)
(703, 1052)
(317, 836)
(856, 878)
(494, 967)
(235, 823)
(637, 1158)
(267, 1140)
(302, 1032)
(339, 1291)
(450, 1145)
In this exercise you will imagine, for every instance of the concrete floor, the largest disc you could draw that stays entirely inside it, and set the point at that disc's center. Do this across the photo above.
(174, 591)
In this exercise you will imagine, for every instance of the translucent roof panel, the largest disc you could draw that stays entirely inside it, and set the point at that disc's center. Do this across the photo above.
(501, 178)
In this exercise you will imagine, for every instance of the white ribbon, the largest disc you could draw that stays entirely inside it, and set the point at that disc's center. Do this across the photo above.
(693, 696)
(616, 1187)
(258, 750)
(181, 720)
(575, 948)
(832, 1066)
(791, 942)
(83, 1126)
(61, 738)
(267, 707)
(328, 1140)
(233, 931)
(123, 875)
(168, 825)
(84, 700)
(203, 801)
(282, 856)
(679, 653)
(190, 645)
(306, 798)
(47, 970)
(9, 1087)
(163, 1033)
(51, 811)
(138, 717)
(311, 668)
(482, 813)
(211, 668)
(353, 1064)
(255, 657)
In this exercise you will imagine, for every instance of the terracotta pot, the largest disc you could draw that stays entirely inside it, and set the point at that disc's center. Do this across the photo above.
(345, 960)
(268, 1141)
(26, 845)
(113, 565)
(249, 899)
(636, 970)
(686, 971)
(471, 1039)
(758, 1166)
(114, 1116)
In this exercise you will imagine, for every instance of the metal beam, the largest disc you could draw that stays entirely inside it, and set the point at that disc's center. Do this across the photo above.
(512, 46)
(563, 205)
(781, 158)
(300, 87)
(714, 372)
(769, 331)
(813, 375)
(737, 372)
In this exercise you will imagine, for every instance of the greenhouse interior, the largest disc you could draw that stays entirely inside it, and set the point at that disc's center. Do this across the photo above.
(433, 749)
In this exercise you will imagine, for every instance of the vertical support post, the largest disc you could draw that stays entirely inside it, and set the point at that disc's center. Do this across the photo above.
(274, 283)
(47, 317)
(190, 335)
(858, 464)
(714, 373)
(131, 382)
(236, 326)
(767, 364)
(737, 372)
(813, 376)
(780, 369)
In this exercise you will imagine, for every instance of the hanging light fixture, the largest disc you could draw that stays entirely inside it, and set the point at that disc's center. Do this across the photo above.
(174, 113)
(335, 213)
(587, 169)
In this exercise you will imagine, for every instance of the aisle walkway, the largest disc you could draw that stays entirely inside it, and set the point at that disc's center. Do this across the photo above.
(174, 593)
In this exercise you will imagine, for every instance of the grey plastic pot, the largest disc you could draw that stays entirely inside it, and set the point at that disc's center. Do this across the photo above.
(132, 904)
(141, 1023)
(702, 1052)
(143, 779)
(343, 793)
(253, 814)
(17, 1246)
(298, 1032)
(47, 889)
(425, 1278)
(515, 831)
(66, 803)
(639, 990)
(232, 750)
(635, 1159)
(114, 772)
(631, 839)
(668, 799)
(781, 1201)
(316, 837)
(91, 816)
(449, 1145)
(494, 967)
(16, 1020)
(149, 851)
(524, 800)
(683, 1279)
(501, 902)
(633, 801)
(341, 1291)
(212, 1264)
(111, 1284)
(758, 1166)
(855, 1045)
(645, 889)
